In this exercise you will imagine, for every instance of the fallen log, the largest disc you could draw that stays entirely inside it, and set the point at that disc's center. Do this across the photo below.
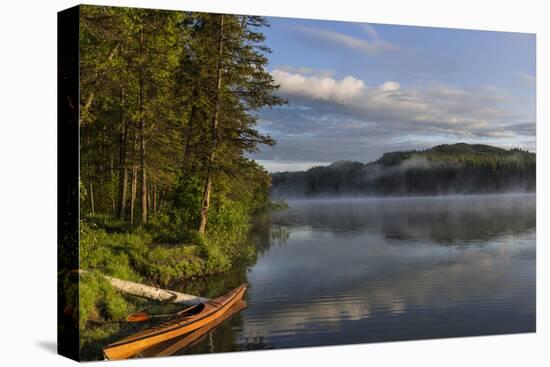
(153, 293)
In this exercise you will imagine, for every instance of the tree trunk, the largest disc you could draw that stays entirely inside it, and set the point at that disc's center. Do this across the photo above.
(112, 172)
(151, 198)
(123, 170)
(90, 178)
(214, 137)
(205, 203)
(143, 177)
(133, 193)
(142, 137)
(100, 157)
(189, 133)
(160, 199)
(91, 194)
(154, 198)
(123, 178)
(154, 293)
(133, 189)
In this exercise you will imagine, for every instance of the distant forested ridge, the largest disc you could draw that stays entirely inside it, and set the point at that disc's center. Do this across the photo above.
(444, 169)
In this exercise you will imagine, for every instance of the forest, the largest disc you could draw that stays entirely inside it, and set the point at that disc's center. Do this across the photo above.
(168, 108)
(442, 170)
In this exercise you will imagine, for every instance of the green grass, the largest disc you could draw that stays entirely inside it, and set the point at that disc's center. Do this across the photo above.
(152, 254)
(166, 252)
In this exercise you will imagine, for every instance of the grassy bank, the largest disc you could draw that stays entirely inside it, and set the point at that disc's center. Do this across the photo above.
(157, 254)
(166, 252)
(148, 254)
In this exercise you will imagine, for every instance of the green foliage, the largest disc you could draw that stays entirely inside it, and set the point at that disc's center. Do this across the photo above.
(98, 299)
(152, 143)
(109, 253)
(278, 205)
(167, 227)
(133, 255)
(148, 78)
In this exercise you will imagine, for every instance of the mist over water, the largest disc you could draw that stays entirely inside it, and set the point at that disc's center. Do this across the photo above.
(441, 219)
(338, 271)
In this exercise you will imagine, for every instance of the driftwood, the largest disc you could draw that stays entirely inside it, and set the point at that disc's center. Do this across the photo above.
(154, 293)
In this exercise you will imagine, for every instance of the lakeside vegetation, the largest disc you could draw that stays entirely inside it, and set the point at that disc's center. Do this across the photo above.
(444, 169)
(168, 108)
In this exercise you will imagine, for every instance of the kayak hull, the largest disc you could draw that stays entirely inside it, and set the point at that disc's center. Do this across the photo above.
(182, 323)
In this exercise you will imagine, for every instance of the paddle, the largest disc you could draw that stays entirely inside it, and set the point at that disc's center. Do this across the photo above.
(144, 316)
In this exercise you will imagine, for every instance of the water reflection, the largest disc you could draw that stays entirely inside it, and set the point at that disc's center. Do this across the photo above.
(445, 220)
(182, 343)
(349, 271)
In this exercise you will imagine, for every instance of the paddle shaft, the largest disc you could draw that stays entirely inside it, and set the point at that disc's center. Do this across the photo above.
(142, 316)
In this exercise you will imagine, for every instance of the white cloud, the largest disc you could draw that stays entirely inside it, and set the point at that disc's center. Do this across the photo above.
(370, 30)
(390, 86)
(285, 165)
(304, 70)
(343, 40)
(531, 79)
(319, 88)
(433, 108)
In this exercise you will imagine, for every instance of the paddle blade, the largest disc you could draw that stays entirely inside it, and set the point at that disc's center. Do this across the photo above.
(138, 317)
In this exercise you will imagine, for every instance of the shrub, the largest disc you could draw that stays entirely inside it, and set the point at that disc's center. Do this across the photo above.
(98, 299)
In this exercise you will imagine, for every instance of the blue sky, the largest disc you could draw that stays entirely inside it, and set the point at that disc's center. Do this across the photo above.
(357, 90)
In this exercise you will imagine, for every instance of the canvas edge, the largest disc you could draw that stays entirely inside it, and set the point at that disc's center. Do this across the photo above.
(68, 164)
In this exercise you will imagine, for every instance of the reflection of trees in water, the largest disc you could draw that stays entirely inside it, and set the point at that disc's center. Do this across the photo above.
(214, 285)
(442, 220)
(222, 339)
(263, 235)
(255, 343)
(265, 232)
(268, 231)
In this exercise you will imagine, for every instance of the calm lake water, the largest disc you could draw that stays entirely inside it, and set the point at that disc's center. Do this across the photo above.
(370, 270)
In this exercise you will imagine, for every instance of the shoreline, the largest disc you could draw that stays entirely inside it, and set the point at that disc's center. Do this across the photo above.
(403, 197)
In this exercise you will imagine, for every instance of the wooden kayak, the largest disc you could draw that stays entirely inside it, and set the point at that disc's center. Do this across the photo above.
(183, 322)
(173, 346)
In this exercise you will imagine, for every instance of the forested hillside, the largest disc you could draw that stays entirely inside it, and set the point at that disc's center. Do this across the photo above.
(444, 169)
(168, 104)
